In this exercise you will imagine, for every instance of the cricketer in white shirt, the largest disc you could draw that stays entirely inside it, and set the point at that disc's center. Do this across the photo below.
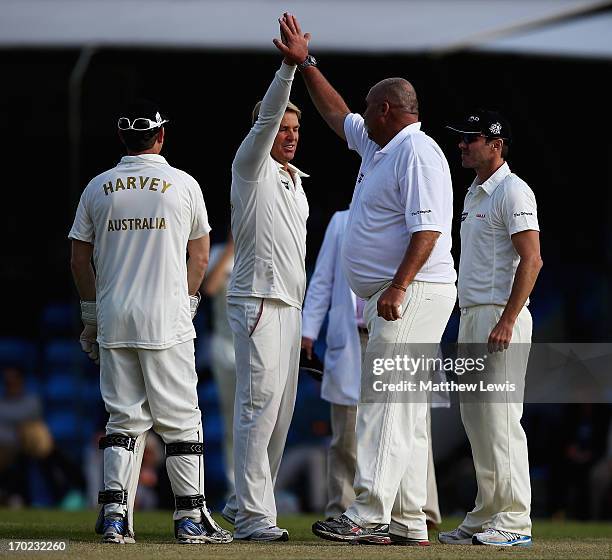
(265, 295)
(500, 262)
(399, 228)
(402, 188)
(141, 217)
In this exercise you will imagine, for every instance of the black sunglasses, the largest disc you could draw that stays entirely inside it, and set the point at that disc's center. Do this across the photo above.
(469, 138)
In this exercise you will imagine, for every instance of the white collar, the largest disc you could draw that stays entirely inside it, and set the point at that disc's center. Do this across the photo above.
(292, 168)
(400, 137)
(493, 181)
(146, 157)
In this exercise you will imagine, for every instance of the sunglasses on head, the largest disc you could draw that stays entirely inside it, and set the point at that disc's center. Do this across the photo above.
(139, 123)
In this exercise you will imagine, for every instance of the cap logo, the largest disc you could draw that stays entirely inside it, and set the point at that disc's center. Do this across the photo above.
(495, 128)
(473, 118)
(158, 117)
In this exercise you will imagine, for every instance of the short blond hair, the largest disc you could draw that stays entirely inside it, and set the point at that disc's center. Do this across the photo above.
(290, 107)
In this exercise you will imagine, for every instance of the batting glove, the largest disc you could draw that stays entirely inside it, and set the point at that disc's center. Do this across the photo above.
(194, 301)
(89, 344)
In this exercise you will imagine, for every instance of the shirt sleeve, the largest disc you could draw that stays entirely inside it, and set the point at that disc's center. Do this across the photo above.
(519, 211)
(199, 216)
(318, 296)
(255, 148)
(83, 227)
(356, 133)
(422, 189)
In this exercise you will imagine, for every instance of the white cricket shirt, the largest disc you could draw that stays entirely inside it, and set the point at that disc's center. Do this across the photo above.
(493, 211)
(269, 209)
(402, 188)
(139, 217)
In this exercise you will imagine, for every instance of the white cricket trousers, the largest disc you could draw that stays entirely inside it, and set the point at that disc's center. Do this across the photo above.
(498, 441)
(267, 334)
(392, 443)
(342, 456)
(144, 389)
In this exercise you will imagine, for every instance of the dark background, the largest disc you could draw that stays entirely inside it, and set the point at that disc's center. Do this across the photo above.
(559, 110)
(561, 118)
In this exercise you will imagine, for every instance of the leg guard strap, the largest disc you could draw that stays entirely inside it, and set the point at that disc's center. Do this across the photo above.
(184, 448)
(113, 497)
(189, 502)
(117, 440)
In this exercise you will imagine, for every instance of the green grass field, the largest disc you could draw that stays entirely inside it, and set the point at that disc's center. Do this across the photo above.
(552, 540)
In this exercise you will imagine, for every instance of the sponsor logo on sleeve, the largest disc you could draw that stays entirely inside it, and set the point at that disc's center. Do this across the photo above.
(518, 214)
(417, 212)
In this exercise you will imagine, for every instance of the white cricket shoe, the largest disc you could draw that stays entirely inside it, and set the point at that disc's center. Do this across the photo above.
(271, 534)
(456, 536)
(497, 537)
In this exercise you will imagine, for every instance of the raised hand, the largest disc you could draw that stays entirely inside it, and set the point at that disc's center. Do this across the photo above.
(292, 44)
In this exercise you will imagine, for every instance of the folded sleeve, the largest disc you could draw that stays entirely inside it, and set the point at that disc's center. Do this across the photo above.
(356, 133)
(422, 189)
(519, 210)
(199, 216)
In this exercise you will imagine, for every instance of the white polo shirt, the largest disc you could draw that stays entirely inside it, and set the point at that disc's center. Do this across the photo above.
(402, 188)
(493, 211)
(139, 217)
(269, 209)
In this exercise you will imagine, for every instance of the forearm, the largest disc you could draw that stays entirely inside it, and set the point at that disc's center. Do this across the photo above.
(217, 275)
(326, 99)
(524, 281)
(84, 280)
(420, 247)
(196, 268)
(82, 271)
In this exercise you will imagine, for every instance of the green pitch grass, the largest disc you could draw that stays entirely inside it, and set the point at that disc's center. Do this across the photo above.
(552, 540)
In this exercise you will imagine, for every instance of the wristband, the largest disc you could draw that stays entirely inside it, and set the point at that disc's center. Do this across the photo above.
(88, 313)
(399, 286)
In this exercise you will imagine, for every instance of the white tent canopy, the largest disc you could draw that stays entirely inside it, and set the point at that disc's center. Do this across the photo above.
(375, 26)
(589, 37)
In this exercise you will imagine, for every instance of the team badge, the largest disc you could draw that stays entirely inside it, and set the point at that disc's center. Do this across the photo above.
(495, 128)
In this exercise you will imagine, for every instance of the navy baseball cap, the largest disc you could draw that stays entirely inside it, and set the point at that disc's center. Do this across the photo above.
(490, 124)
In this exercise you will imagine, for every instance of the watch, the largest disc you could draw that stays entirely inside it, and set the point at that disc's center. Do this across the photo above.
(309, 61)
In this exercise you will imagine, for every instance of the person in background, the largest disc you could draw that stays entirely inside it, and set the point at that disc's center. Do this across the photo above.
(25, 440)
(223, 359)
